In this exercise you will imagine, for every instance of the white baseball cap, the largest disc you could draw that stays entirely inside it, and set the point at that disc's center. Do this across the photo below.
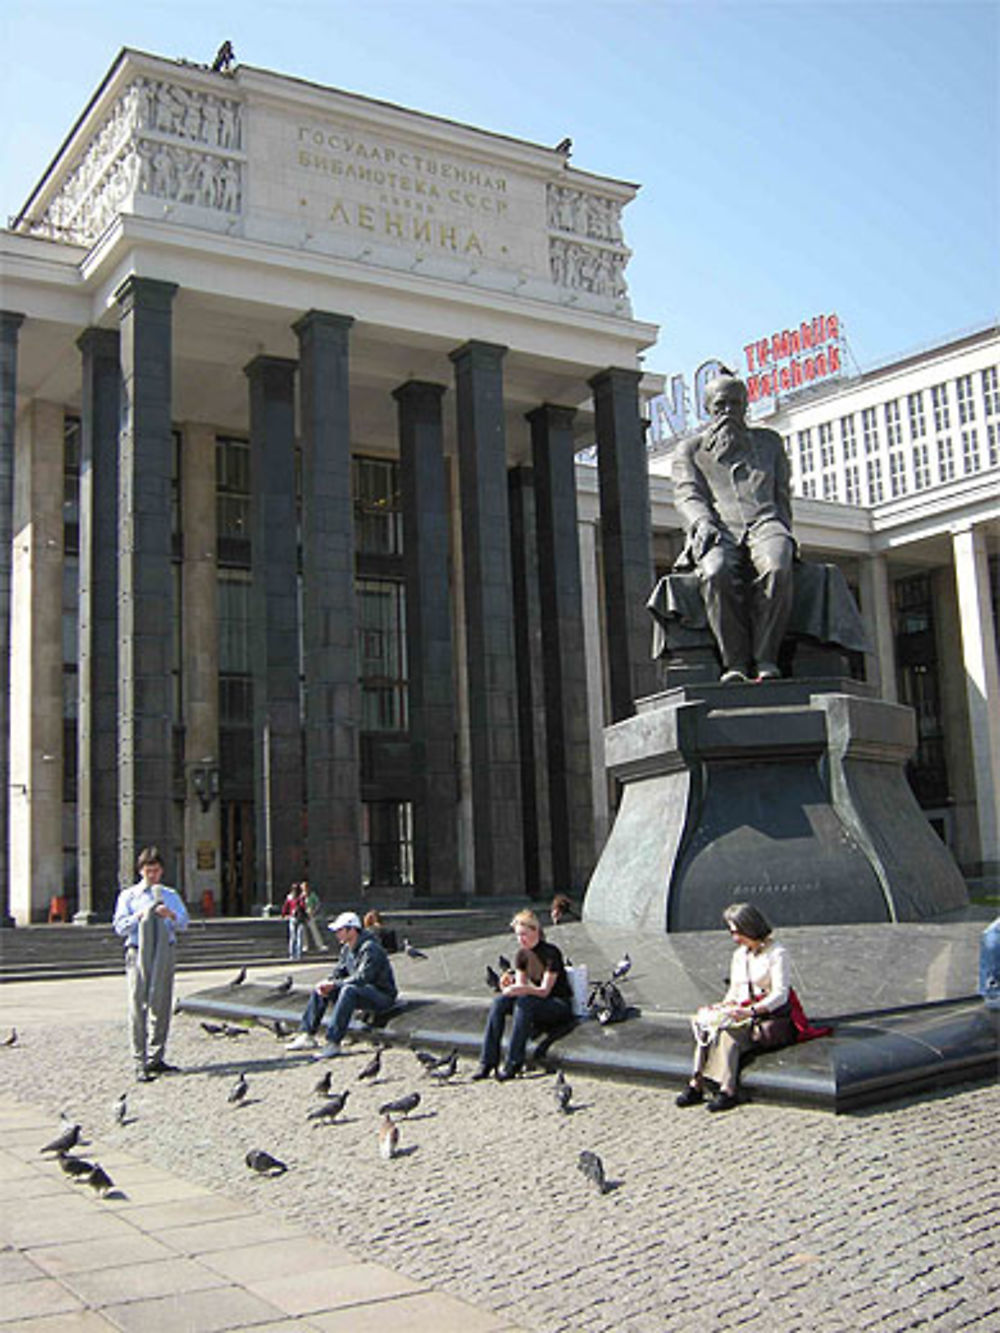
(346, 920)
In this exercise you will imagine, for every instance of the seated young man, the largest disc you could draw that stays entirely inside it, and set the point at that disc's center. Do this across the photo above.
(362, 979)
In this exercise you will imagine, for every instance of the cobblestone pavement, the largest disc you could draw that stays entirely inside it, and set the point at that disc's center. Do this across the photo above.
(764, 1218)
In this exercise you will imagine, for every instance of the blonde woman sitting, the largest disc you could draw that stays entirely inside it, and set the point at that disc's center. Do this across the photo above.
(537, 992)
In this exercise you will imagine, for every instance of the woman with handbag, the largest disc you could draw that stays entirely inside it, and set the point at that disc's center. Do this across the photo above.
(754, 1014)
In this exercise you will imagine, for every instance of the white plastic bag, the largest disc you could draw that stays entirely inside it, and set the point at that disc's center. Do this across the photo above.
(577, 976)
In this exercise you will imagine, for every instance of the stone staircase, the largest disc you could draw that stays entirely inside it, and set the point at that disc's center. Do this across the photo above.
(51, 952)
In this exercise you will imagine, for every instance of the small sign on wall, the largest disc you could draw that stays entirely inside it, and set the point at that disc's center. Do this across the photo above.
(205, 856)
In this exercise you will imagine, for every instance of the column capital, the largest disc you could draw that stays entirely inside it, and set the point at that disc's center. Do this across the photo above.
(615, 376)
(149, 292)
(10, 322)
(552, 415)
(100, 342)
(419, 391)
(481, 355)
(323, 321)
(264, 365)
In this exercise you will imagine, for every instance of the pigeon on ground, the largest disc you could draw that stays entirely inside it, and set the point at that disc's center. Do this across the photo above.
(593, 1168)
(373, 1067)
(66, 1141)
(427, 1058)
(445, 1069)
(331, 1108)
(504, 964)
(239, 978)
(492, 978)
(621, 968)
(563, 1093)
(412, 951)
(238, 1091)
(281, 1030)
(283, 986)
(11, 1040)
(99, 1180)
(214, 1029)
(322, 1085)
(234, 1030)
(121, 1109)
(76, 1167)
(259, 1160)
(388, 1138)
(402, 1105)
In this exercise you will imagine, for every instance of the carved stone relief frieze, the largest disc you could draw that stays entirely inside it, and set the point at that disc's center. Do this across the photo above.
(135, 152)
(587, 251)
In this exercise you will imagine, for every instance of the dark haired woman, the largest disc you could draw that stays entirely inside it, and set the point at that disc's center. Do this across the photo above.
(759, 997)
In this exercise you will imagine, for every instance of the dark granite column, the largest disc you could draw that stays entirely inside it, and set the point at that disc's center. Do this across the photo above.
(274, 636)
(10, 323)
(429, 638)
(333, 697)
(571, 802)
(626, 540)
(146, 608)
(492, 682)
(97, 585)
(530, 682)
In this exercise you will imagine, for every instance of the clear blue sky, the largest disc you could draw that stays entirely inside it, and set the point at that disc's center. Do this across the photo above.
(796, 158)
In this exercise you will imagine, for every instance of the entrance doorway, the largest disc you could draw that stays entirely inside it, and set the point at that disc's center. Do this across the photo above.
(237, 858)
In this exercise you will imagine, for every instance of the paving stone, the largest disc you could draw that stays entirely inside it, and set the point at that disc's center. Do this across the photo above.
(93, 1255)
(140, 1281)
(205, 1311)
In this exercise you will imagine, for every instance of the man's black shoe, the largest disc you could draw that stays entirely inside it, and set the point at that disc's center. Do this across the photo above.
(161, 1067)
(143, 1076)
(689, 1097)
(484, 1071)
(507, 1073)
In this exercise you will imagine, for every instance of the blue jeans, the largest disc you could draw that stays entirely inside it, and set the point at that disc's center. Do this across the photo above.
(528, 1011)
(348, 996)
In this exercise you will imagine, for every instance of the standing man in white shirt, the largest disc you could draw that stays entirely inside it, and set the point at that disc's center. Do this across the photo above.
(148, 916)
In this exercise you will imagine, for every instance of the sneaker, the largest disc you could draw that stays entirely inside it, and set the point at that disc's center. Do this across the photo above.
(305, 1041)
(330, 1051)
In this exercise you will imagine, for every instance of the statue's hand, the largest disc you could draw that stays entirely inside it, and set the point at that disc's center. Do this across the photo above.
(704, 536)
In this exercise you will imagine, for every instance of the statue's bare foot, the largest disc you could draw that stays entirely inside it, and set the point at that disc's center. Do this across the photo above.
(733, 677)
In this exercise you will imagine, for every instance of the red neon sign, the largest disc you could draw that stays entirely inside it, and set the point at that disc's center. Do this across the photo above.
(793, 358)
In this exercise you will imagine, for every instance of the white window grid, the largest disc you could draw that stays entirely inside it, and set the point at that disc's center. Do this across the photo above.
(848, 437)
(809, 487)
(830, 486)
(893, 429)
(921, 465)
(915, 403)
(939, 401)
(897, 473)
(807, 460)
(966, 402)
(827, 457)
(869, 429)
(970, 450)
(852, 484)
(991, 394)
(946, 458)
(992, 444)
(876, 491)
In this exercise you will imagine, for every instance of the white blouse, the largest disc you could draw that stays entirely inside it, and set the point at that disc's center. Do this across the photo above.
(766, 970)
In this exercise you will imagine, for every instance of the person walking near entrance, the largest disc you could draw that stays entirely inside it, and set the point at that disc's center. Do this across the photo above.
(147, 917)
(296, 913)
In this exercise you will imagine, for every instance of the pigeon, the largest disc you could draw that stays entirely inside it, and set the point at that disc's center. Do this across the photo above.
(504, 964)
(121, 1109)
(492, 978)
(374, 1065)
(99, 1180)
(593, 1168)
(66, 1141)
(412, 951)
(224, 57)
(283, 986)
(11, 1040)
(330, 1109)
(76, 1167)
(564, 146)
(238, 1091)
(427, 1058)
(239, 978)
(281, 1030)
(259, 1160)
(621, 968)
(388, 1138)
(402, 1105)
(234, 1030)
(322, 1085)
(563, 1093)
(445, 1069)
(214, 1029)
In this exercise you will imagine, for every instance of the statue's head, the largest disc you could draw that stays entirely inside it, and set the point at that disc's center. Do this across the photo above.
(726, 398)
